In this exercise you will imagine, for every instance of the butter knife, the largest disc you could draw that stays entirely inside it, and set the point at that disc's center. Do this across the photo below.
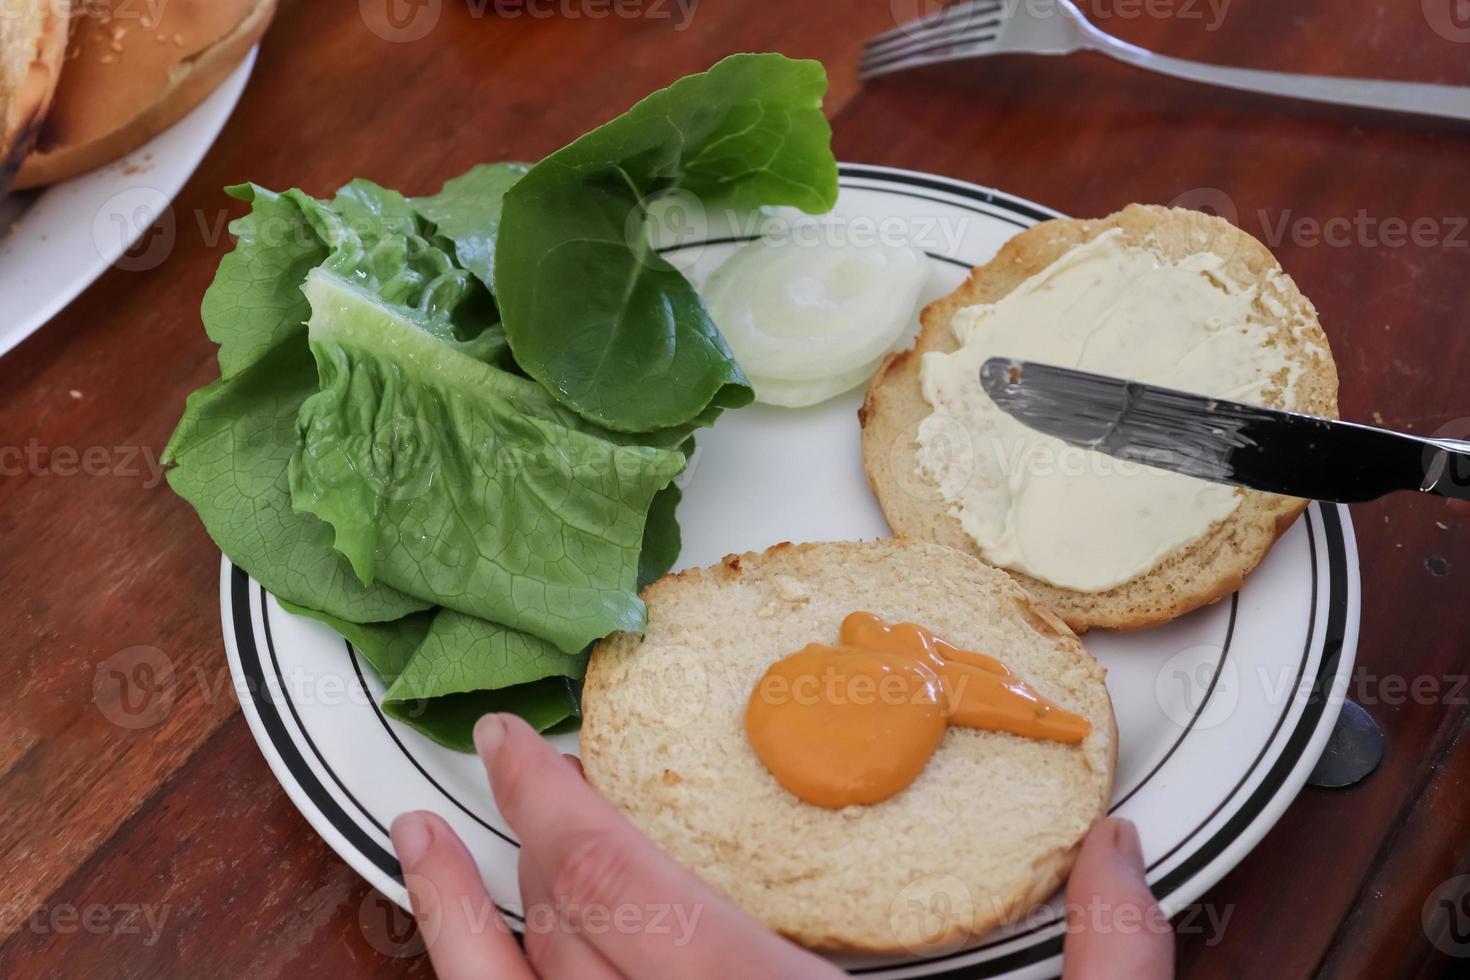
(1224, 441)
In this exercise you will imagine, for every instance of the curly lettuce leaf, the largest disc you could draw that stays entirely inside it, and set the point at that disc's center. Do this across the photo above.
(467, 212)
(590, 309)
(550, 705)
(230, 452)
(459, 669)
(457, 482)
(230, 455)
(464, 653)
(255, 304)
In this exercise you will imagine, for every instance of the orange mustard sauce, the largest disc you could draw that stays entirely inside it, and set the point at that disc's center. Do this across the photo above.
(857, 722)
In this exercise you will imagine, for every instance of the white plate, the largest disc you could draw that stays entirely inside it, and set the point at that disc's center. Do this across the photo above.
(65, 236)
(1221, 714)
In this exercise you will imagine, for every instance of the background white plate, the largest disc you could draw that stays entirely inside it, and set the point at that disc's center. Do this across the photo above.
(1221, 714)
(65, 236)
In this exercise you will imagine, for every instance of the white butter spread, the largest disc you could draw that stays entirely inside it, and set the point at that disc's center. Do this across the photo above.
(1073, 517)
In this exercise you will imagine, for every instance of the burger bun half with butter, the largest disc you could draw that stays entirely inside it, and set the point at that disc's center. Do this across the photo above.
(1194, 575)
(127, 77)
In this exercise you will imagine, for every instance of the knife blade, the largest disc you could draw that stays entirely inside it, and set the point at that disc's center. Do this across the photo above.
(1224, 441)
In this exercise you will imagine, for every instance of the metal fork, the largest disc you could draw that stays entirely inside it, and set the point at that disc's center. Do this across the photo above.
(986, 27)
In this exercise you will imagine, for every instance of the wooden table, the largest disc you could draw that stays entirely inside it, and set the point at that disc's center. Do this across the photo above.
(181, 819)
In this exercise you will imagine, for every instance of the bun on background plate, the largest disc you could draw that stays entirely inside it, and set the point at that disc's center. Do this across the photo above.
(32, 48)
(127, 77)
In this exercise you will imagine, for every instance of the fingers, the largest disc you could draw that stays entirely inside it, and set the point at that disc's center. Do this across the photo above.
(464, 932)
(644, 913)
(1114, 926)
(554, 948)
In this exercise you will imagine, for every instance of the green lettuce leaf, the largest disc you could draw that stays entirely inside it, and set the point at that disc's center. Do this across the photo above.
(550, 705)
(464, 653)
(255, 304)
(388, 647)
(455, 481)
(231, 450)
(459, 669)
(590, 309)
(467, 211)
(661, 537)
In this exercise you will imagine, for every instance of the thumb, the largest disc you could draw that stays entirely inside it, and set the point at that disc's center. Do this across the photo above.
(1114, 926)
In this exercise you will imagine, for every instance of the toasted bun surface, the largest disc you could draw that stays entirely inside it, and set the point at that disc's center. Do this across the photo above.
(1195, 575)
(128, 77)
(32, 48)
(991, 825)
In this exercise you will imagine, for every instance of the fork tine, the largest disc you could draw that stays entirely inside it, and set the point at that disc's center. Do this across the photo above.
(934, 40)
(950, 32)
(964, 45)
(954, 14)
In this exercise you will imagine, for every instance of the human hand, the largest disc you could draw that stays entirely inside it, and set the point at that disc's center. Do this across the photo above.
(1114, 926)
(602, 901)
(593, 887)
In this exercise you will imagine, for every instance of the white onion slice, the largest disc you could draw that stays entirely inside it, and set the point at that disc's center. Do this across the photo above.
(800, 394)
(803, 310)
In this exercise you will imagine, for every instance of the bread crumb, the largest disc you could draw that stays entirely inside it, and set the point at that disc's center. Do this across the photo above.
(75, 394)
(1441, 525)
(1377, 417)
(792, 590)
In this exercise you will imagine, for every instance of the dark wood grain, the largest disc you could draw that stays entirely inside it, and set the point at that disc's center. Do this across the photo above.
(182, 815)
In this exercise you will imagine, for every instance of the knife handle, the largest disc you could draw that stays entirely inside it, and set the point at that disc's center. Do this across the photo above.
(1447, 468)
